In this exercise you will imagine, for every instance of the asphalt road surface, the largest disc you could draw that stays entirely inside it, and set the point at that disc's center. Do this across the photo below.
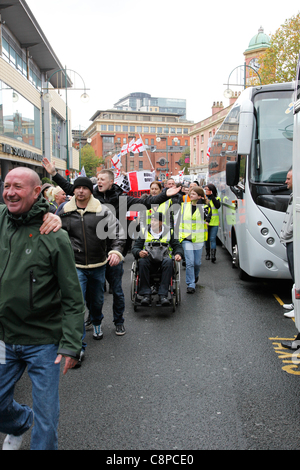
(212, 375)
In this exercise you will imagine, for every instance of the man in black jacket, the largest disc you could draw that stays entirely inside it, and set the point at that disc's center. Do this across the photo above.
(111, 194)
(89, 225)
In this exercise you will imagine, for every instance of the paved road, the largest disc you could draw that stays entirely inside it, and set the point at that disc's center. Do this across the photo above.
(208, 376)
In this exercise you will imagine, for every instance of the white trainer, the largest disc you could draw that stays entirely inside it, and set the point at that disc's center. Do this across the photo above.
(290, 314)
(288, 306)
(12, 442)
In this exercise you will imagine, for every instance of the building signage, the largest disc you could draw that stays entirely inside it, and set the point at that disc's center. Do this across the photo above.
(18, 152)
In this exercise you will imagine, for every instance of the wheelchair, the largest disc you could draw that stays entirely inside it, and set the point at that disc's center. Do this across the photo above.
(174, 294)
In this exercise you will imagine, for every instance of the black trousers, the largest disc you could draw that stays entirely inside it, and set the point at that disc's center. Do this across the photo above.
(290, 257)
(148, 267)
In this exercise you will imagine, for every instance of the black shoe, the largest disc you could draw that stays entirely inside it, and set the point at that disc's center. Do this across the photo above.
(145, 300)
(190, 290)
(207, 255)
(120, 329)
(164, 301)
(79, 360)
(213, 256)
(196, 280)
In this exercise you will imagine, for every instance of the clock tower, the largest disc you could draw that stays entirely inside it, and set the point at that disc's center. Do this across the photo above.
(257, 46)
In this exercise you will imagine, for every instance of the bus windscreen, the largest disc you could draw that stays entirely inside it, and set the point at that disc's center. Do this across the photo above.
(273, 140)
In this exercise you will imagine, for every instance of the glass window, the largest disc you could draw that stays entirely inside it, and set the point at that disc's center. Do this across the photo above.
(179, 130)
(146, 129)
(5, 48)
(118, 128)
(12, 56)
(110, 127)
(17, 116)
(159, 130)
(125, 128)
(57, 129)
(273, 143)
(152, 130)
(132, 128)
(185, 130)
(139, 128)
(103, 127)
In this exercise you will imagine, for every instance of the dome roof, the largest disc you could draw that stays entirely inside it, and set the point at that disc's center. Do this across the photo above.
(259, 41)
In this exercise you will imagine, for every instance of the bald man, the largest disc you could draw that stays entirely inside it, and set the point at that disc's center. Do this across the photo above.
(41, 312)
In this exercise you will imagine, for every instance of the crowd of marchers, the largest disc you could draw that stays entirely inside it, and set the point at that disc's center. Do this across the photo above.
(61, 245)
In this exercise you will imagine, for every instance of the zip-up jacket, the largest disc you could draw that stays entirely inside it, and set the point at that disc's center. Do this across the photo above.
(89, 230)
(40, 295)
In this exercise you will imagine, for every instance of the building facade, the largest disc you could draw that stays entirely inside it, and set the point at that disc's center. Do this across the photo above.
(165, 136)
(145, 102)
(202, 132)
(30, 127)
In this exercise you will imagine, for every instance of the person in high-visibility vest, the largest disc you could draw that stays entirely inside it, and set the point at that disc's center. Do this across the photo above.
(195, 216)
(157, 235)
(215, 204)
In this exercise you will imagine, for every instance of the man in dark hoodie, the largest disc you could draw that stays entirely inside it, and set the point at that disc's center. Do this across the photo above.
(110, 194)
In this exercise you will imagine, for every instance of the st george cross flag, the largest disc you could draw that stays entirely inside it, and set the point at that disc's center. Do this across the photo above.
(208, 148)
(140, 180)
(138, 146)
(116, 161)
(127, 147)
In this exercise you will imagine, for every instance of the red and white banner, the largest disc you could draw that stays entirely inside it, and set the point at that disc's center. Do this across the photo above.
(135, 183)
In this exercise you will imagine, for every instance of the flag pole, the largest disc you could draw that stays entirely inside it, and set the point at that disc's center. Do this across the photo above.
(153, 169)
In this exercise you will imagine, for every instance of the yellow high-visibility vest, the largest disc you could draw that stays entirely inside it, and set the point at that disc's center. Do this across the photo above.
(214, 221)
(192, 223)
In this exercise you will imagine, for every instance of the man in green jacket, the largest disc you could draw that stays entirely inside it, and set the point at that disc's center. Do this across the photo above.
(41, 312)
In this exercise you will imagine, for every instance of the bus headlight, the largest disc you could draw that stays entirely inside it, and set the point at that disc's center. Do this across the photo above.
(270, 241)
(264, 231)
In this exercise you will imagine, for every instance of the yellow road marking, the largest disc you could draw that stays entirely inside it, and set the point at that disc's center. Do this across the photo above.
(278, 299)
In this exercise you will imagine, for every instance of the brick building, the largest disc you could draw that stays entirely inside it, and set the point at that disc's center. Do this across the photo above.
(165, 135)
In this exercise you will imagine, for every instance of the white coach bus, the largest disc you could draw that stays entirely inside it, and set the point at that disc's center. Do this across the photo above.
(296, 197)
(250, 156)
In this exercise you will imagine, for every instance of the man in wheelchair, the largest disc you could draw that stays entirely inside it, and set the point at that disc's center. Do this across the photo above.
(154, 251)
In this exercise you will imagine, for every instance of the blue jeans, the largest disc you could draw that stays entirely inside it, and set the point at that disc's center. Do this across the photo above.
(192, 254)
(94, 279)
(212, 237)
(16, 419)
(114, 276)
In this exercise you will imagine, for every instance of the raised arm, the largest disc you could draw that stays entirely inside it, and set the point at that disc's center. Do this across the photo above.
(57, 178)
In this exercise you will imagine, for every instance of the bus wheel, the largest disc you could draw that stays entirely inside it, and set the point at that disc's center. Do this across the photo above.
(236, 263)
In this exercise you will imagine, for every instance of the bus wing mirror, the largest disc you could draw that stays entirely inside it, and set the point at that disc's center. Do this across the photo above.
(232, 173)
(245, 128)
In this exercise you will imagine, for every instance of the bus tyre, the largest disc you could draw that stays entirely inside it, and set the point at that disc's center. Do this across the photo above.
(236, 263)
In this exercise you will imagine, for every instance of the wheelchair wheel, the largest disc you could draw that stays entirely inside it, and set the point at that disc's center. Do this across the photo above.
(133, 281)
(177, 283)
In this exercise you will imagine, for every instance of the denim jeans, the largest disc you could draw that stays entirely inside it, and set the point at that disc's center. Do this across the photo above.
(95, 279)
(192, 254)
(212, 237)
(114, 276)
(16, 419)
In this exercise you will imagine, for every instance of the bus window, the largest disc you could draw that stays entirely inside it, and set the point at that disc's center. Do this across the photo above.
(273, 142)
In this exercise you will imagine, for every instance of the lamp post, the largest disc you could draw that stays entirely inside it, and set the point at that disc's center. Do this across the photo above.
(84, 97)
(229, 93)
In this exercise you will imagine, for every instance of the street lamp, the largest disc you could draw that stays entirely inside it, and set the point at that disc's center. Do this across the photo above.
(229, 93)
(84, 98)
